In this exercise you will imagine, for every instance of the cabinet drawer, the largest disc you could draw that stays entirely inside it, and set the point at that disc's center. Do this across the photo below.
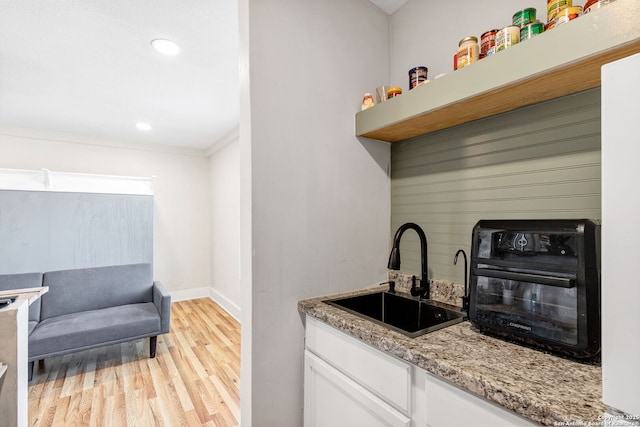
(450, 406)
(382, 374)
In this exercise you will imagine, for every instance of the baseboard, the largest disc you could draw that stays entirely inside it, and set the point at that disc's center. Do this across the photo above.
(224, 302)
(190, 294)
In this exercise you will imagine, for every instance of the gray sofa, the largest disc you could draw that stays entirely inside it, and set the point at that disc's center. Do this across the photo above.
(93, 307)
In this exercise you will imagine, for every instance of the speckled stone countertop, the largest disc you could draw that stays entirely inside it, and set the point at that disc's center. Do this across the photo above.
(541, 387)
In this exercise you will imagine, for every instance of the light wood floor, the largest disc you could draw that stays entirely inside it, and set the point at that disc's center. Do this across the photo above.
(194, 379)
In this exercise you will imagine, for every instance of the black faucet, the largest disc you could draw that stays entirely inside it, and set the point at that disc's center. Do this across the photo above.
(394, 259)
(465, 297)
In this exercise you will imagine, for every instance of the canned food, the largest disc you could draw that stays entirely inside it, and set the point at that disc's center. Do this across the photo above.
(394, 91)
(531, 30)
(488, 43)
(592, 5)
(556, 6)
(417, 76)
(468, 51)
(507, 37)
(524, 17)
(566, 15)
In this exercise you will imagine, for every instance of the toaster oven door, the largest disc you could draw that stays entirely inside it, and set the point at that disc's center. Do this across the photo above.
(536, 308)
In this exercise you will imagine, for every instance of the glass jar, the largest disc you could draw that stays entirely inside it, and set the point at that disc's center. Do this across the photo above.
(468, 51)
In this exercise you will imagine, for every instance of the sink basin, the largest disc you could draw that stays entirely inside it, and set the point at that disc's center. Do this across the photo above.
(406, 315)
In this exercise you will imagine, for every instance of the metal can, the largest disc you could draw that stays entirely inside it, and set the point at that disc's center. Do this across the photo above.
(507, 37)
(592, 5)
(556, 6)
(566, 15)
(417, 76)
(531, 30)
(524, 17)
(468, 51)
(488, 43)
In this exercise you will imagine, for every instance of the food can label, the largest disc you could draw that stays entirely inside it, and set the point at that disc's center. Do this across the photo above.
(531, 30)
(487, 42)
(507, 37)
(592, 7)
(466, 56)
(556, 6)
(524, 17)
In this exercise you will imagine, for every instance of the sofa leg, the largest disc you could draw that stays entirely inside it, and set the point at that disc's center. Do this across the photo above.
(152, 346)
(30, 372)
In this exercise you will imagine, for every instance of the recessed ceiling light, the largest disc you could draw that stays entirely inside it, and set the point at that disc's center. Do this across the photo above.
(166, 47)
(143, 126)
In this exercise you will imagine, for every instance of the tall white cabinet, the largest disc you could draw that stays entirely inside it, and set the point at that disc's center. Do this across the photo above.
(621, 235)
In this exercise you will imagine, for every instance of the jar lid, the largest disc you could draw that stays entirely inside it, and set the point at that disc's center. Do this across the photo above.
(466, 39)
(394, 89)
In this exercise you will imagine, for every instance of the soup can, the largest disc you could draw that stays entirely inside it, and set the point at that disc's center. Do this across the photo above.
(556, 6)
(531, 30)
(566, 15)
(488, 43)
(524, 17)
(592, 5)
(507, 37)
(417, 76)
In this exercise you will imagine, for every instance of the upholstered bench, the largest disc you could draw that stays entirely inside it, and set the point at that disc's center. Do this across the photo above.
(93, 307)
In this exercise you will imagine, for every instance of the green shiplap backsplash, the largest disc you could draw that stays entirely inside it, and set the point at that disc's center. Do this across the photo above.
(537, 162)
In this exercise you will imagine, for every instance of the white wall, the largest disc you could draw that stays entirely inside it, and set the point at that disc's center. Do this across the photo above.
(427, 32)
(320, 198)
(224, 166)
(182, 221)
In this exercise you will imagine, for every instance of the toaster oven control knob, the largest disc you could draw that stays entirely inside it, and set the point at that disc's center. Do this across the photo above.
(521, 242)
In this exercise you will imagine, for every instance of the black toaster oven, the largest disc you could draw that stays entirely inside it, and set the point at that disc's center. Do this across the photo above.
(537, 282)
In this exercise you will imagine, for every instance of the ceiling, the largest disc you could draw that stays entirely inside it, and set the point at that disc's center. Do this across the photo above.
(86, 68)
(389, 6)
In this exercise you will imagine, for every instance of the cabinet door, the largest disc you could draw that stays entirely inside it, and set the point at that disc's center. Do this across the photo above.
(331, 399)
(387, 377)
(449, 406)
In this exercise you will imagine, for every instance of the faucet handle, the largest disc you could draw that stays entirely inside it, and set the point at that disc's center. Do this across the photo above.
(392, 286)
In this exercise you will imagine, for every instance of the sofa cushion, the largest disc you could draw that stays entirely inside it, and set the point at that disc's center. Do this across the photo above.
(85, 289)
(88, 329)
(21, 281)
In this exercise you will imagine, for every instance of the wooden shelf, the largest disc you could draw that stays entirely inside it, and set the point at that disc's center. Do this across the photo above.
(561, 62)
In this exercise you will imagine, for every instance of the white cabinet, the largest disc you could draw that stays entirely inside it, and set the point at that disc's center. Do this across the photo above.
(333, 399)
(620, 234)
(450, 406)
(350, 383)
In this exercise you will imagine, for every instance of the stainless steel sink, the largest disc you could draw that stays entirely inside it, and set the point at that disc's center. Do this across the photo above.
(406, 315)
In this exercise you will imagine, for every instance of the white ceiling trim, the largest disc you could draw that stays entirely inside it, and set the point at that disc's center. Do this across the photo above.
(232, 136)
(40, 135)
(66, 182)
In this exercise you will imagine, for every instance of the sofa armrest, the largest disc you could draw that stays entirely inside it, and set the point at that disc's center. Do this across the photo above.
(162, 301)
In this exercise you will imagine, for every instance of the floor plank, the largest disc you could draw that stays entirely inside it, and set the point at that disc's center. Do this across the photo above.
(194, 379)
